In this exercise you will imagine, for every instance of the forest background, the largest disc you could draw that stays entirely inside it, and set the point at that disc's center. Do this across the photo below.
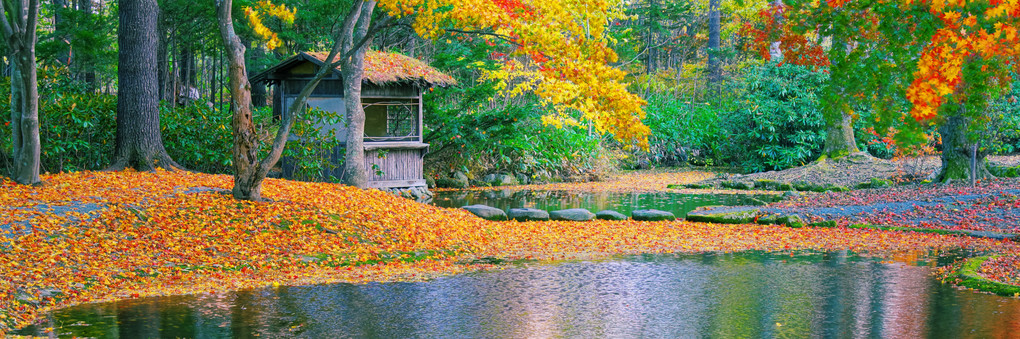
(714, 96)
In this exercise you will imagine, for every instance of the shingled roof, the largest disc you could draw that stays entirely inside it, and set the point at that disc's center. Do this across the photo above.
(381, 68)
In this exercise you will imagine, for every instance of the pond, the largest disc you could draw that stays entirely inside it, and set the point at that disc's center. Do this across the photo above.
(679, 204)
(671, 296)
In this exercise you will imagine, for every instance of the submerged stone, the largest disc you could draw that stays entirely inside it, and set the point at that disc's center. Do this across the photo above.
(724, 214)
(486, 212)
(652, 215)
(610, 215)
(500, 179)
(527, 214)
(573, 214)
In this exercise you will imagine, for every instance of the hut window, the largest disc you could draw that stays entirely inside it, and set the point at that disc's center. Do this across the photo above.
(391, 120)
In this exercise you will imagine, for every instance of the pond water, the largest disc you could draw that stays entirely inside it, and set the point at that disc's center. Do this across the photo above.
(710, 295)
(679, 204)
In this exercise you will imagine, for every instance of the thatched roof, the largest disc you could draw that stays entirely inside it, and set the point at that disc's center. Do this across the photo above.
(381, 68)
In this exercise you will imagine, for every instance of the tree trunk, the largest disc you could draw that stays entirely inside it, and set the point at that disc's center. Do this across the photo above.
(839, 140)
(957, 151)
(139, 141)
(355, 173)
(249, 171)
(775, 49)
(163, 61)
(714, 72)
(187, 90)
(62, 36)
(247, 182)
(21, 39)
(87, 72)
(653, 6)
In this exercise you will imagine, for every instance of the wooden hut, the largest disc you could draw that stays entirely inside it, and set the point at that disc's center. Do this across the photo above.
(392, 97)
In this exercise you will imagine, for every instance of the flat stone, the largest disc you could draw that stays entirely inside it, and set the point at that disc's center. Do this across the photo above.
(610, 215)
(652, 215)
(486, 212)
(572, 214)
(724, 214)
(527, 214)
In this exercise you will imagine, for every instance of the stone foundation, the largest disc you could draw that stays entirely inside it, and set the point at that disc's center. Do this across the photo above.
(417, 193)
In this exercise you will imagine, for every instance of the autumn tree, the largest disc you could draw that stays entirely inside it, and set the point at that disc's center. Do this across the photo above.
(965, 65)
(956, 57)
(249, 170)
(19, 22)
(792, 34)
(139, 141)
(562, 55)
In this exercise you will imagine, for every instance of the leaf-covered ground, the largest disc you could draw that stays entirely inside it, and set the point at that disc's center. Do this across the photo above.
(992, 205)
(94, 236)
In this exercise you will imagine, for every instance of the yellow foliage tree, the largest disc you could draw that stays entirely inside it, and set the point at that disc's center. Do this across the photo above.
(564, 44)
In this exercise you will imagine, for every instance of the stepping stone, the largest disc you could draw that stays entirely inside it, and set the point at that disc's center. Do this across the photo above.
(527, 214)
(652, 215)
(724, 214)
(486, 212)
(573, 214)
(610, 215)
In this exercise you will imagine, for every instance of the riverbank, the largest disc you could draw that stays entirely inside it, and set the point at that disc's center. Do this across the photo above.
(97, 236)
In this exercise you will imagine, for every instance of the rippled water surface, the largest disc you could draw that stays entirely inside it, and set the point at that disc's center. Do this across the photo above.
(679, 204)
(733, 295)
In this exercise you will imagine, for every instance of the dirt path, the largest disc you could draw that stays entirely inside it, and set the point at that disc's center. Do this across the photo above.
(989, 206)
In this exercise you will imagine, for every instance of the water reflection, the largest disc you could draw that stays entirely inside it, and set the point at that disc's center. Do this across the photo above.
(737, 295)
(679, 204)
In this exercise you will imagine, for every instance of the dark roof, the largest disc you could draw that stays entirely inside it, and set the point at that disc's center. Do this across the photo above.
(380, 68)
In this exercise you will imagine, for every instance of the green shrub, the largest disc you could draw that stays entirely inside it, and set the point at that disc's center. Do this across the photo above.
(682, 131)
(1005, 114)
(779, 124)
(509, 139)
(197, 137)
(76, 128)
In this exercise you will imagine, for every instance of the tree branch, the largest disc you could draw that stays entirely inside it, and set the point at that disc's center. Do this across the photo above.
(7, 30)
(30, 24)
(301, 100)
(500, 36)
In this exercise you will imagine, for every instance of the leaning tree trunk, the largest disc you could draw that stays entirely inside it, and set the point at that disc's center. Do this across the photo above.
(249, 171)
(20, 36)
(139, 141)
(355, 172)
(247, 184)
(958, 151)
